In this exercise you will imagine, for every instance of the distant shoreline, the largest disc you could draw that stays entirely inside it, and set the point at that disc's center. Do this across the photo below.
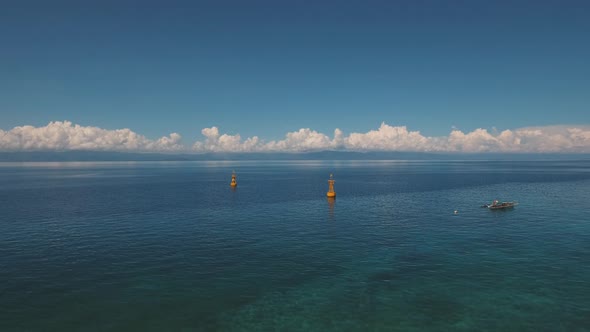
(32, 156)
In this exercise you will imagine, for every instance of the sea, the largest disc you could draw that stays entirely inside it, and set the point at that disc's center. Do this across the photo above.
(405, 246)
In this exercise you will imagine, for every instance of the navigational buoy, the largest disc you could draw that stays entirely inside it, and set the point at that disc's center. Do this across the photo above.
(233, 182)
(331, 192)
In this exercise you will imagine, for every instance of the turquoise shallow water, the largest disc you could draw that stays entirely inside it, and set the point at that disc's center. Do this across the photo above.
(170, 247)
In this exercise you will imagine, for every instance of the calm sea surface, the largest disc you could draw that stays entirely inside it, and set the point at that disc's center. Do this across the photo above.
(169, 246)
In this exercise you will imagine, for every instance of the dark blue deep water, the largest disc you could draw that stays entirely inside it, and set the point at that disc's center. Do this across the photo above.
(169, 246)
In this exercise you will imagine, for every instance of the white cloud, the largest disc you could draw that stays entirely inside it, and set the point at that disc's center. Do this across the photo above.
(304, 139)
(225, 142)
(58, 136)
(555, 138)
(388, 138)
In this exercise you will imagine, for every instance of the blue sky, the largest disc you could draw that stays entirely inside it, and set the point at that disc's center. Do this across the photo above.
(266, 68)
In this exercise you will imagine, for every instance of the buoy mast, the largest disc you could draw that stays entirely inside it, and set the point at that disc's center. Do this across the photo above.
(331, 192)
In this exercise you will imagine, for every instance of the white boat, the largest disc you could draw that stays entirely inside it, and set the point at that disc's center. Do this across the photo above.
(497, 205)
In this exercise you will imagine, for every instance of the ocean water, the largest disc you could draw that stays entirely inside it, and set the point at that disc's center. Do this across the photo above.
(169, 246)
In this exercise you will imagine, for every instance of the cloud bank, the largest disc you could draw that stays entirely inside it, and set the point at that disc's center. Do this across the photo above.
(62, 136)
(547, 139)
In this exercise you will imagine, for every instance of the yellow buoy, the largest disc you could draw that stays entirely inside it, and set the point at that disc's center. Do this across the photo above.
(331, 192)
(233, 182)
